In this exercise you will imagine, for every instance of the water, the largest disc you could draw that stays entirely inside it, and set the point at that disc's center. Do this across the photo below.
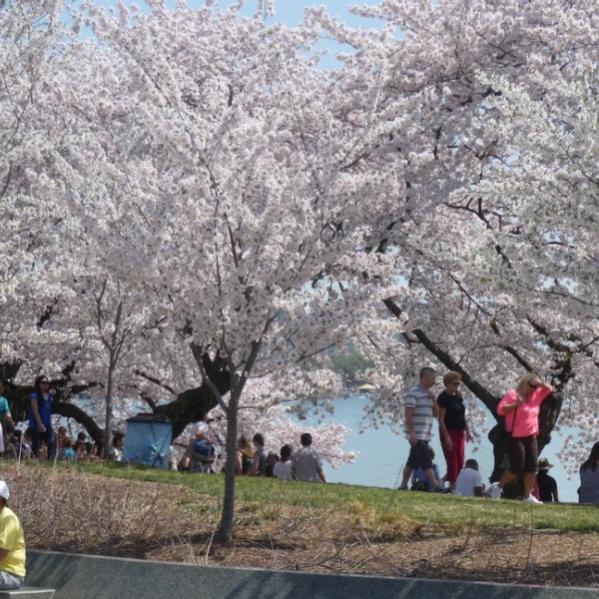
(382, 453)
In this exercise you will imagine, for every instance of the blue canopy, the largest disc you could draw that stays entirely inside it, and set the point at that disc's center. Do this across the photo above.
(148, 441)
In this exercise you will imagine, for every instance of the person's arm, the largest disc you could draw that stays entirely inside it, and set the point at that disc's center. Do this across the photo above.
(8, 419)
(469, 437)
(554, 491)
(321, 475)
(508, 408)
(479, 487)
(443, 432)
(36, 415)
(409, 417)
(255, 465)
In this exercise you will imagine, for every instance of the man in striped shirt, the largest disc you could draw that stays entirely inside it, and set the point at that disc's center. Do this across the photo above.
(420, 411)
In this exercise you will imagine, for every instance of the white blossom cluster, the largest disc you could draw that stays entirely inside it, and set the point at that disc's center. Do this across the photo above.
(187, 182)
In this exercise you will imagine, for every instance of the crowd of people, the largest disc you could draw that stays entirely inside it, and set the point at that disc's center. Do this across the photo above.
(39, 440)
(254, 459)
(518, 411)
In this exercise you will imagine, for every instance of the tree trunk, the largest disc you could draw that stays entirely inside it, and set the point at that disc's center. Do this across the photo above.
(224, 533)
(108, 422)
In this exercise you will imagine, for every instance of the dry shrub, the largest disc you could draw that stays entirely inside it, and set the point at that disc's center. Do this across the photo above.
(64, 509)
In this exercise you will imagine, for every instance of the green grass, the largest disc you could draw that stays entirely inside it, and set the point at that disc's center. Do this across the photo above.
(425, 508)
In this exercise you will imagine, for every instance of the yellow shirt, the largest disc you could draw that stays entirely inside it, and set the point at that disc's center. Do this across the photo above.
(11, 538)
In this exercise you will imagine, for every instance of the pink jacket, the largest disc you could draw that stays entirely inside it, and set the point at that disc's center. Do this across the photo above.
(524, 421)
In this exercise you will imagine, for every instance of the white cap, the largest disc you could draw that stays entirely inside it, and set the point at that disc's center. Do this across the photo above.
(4, 490)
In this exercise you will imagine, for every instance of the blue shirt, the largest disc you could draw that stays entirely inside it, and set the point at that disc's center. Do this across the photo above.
(3, 406)
(44, 406)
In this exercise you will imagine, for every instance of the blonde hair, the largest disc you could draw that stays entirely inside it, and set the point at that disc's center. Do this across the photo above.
(451, 377)
(529, 376)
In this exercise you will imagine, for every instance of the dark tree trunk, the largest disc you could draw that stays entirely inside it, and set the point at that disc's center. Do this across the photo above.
(225, 528)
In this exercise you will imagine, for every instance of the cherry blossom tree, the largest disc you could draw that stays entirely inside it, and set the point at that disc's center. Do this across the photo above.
(502, 286)
(256, 236)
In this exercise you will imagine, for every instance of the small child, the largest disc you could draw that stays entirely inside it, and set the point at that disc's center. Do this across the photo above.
(420, 481)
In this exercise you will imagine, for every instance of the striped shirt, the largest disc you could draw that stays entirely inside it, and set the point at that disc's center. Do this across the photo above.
(420, 399)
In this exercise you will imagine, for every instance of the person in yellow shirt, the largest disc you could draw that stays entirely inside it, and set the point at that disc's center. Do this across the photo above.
(12, 544)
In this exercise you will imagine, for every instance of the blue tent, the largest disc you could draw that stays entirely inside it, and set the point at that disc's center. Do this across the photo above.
(148, 440)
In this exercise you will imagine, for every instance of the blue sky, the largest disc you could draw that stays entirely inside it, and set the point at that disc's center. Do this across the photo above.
(290, 12)
(287, 11)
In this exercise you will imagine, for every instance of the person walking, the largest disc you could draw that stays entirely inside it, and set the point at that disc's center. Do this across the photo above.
(453, 429)
(420, 408)
(520, 407)
(40, 417)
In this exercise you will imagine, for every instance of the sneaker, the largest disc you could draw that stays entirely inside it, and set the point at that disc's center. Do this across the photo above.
(494, 491)
(531, 499)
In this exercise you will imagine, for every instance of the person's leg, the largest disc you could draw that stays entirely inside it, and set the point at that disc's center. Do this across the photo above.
(407, 472)
(460, 442)
(430, 474)
(35, 443)
(411, 464)
(50, 443)
(9, 581)
(529, 483)
(447, 455)
(517, 455)
(506, 478)
(455, 457)
(530, 465)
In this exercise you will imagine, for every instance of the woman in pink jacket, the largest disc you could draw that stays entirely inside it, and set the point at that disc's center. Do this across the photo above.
(520, 408)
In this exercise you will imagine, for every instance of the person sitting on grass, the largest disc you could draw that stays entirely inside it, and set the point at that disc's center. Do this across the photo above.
(589, 478)
(420, 481)
(282, 468)
(259, 463)
(118, 441)
(12, 544)
(469, 482)
(80, 446)
(245, 456)
(66, 451)
(306, 464)
(547, 485)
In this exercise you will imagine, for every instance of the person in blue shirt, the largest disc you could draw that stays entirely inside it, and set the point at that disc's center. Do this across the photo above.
(40, 417)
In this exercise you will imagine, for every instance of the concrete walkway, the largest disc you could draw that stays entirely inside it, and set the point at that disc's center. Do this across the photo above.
(95, 577)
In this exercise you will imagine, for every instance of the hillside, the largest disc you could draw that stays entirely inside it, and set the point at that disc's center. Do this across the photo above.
(115, 510)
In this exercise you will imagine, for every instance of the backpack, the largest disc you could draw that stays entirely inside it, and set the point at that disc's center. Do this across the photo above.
(203, 449)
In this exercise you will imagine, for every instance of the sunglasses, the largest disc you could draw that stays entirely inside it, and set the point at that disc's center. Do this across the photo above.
(533, 385)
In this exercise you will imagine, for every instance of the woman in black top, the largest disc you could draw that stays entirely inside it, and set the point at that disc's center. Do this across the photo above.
(453, 429)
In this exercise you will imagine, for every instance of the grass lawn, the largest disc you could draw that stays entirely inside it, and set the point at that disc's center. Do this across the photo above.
(422, 508)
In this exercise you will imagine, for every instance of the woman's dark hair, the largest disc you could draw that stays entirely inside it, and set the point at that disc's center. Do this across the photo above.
(118, 436)
(593, 459)
(285, 452)
(38, 382)
(259, 439)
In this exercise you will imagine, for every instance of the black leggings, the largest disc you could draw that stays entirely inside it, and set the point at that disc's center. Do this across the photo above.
(524, 454)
